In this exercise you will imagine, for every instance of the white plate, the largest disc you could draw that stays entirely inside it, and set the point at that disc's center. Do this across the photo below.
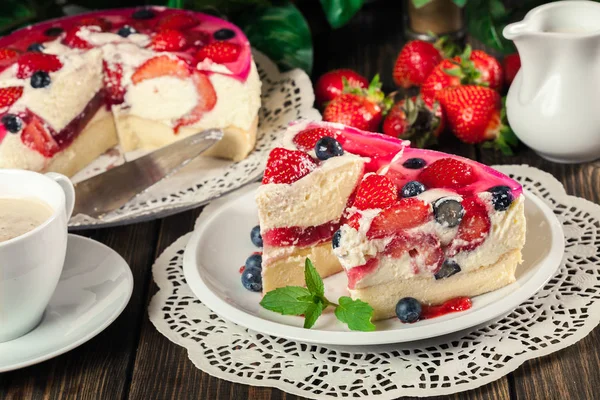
(221, 243)
(93, 290)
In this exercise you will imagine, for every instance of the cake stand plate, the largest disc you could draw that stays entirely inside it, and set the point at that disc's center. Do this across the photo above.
(220, 244)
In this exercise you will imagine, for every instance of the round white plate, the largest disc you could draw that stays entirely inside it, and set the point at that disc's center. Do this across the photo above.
(94, 288)
(221, 243)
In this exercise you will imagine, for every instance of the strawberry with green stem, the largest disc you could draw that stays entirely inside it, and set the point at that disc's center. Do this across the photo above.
(413, 120)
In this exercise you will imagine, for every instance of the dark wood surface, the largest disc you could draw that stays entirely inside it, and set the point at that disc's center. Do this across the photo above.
(130, 359)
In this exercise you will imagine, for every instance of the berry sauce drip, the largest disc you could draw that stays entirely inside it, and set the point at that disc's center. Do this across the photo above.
(453, 305)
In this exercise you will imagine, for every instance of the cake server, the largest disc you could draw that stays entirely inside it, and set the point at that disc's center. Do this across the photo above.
(110, 190)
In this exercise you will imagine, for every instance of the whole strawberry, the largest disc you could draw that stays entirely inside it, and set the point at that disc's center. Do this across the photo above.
(415, 62)
(490, 70)
(512, 64)
(331, 84)
(360, 108)
(447, 73)
(411, 119)
(475, 114)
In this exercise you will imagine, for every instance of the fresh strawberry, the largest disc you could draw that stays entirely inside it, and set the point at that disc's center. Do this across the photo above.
(168, 40)
(375, 191)
(73, 37)
(8, 95)
(331, 84)
(177, 21)
(473, 228)
(113, 75)
(307, 139)
(102, 23)
(360, 108)
(424, 250)
(207, 99)
(512, 64)
(30, 62)
(404, 214)
(447, 173)
(415, 62)
(446, 74)
(490, 70)
(287, 166)
(411, 119)
(36, 136)
(161, 66)
(219, 52)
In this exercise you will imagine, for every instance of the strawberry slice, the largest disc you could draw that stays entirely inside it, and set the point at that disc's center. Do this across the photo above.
(8, 54)
(113, 75)
(102, 23)
(207, 99)
(161, 66)
(9, 95)
(448, 173)
(404, 214)
(198, 38)
(36, 136)
(73, 39)
(307, 139)
(473, 229)
(375, 191)
(219, 52)
(424, 250)
(31, 62)
(287, 166)
(168, 40)
(177, 21)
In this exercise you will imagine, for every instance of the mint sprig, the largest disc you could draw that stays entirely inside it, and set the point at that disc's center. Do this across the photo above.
(311, 302)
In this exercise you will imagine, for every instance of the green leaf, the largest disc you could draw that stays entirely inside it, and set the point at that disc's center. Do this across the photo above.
(314, 283)
(420, 3)
(339, 12)
(175, 3)
(289, 300)
(312, 314)
(355, 313)
(281, 32)
(460, 3)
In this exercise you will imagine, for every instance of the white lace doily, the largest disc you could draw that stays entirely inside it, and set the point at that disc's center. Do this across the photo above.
(560, 314)
(285, 97)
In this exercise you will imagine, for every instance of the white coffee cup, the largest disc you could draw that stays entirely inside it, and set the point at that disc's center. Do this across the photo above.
(31, 264)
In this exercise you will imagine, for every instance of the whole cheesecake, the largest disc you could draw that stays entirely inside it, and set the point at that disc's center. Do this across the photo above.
(72, 88)
(399, 221)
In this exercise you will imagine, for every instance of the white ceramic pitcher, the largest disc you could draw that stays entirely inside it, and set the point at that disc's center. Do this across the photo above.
(553, 104)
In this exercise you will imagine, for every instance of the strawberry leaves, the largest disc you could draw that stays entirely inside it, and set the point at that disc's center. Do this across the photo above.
(311, 302)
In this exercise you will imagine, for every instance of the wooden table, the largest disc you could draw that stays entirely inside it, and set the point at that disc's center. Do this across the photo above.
(130, 359)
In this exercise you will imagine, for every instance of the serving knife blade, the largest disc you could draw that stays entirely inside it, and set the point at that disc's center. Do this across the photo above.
(110, 190)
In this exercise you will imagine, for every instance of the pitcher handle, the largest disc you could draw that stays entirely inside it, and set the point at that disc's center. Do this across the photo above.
(67, 187)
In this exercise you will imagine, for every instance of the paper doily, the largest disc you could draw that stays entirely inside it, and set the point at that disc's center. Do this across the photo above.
(560, 314)
(285, 97)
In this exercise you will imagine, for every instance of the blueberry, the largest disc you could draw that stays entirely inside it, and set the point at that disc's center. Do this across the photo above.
(12, 123)
(502, 197)
(256, 237)
(252, 279)
(125, 31)
(414, 163)
(448, 268)
(54, 31)
(408, 310)
(143, 13)
(36, 47)
(335, 240)
(39, 79)
(448, 212)
(224, 34)
(412, 188)
(254, 261)
(328, 147)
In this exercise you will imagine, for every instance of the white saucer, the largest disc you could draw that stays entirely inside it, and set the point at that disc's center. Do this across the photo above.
(93, 290)
(221, 243)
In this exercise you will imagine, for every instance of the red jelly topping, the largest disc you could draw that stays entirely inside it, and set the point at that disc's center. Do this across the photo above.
(242, 268)
(450, 306)
(300, 236)
(356, 274)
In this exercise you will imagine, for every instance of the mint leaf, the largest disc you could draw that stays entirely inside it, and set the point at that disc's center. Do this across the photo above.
(355, 313)
(312, 313)
(289, 300)
(314, 283)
